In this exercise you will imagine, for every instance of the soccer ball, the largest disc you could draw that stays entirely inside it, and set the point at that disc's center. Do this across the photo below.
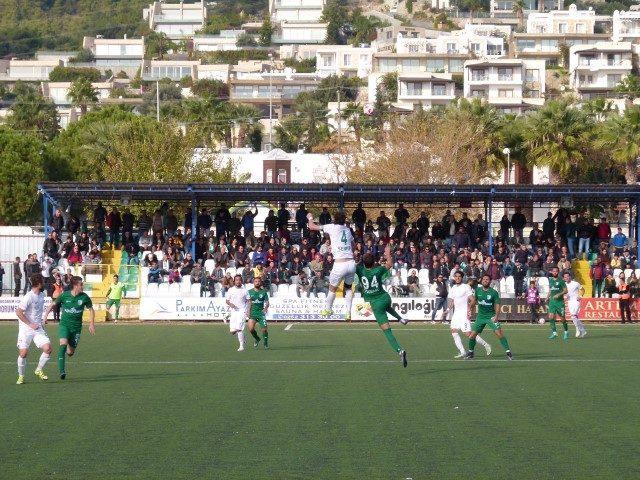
(541, 321)
(368, 109)
(364, 309)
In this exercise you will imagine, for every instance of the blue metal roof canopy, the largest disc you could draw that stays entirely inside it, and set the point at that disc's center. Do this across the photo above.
(63, 193)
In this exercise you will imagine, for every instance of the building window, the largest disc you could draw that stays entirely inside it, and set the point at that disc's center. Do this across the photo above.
(346, 59)
(269, 176)
(531, 75)
(435, 64)
(505, 74)
(562, 28)
(478, 74)
(525, 44)
(475, 48)
(613, 80)
(414, 88)
(581, 28)
(439, 89)
(413, 49)
(327, 60)
(410, 65)
(452, 48)
(478, 93)
(505, 93)
(282, 175)
(388, 64)
(614, 59)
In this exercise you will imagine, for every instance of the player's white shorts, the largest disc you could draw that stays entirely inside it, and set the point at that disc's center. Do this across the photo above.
(236, 321)
(27, 335)
(342, 270)
(460, 322)
(574, 307)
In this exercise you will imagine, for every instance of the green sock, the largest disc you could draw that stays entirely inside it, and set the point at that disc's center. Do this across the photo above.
(504, 343)
(472, 344)
(265, 335)
(565, 326)
(553, 325)
(392, 340)
(117, 311)
(61, 357)
(255, 335)
(393, 313)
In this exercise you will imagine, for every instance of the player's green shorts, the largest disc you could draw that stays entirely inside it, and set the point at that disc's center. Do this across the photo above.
(111, 302)
(481, 322)
(72, 334)
(379, 306)
(260, 318)
(556, 307)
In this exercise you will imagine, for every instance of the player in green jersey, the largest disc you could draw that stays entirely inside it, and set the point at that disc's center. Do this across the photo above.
(557, 291)
(73, 303)
(371, 278)
(114, 295)
(488, 301)
(257, 308)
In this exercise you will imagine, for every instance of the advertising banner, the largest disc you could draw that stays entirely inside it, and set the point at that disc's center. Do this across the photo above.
(8, 307)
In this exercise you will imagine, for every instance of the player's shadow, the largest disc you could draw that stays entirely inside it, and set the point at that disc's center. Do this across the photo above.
(132, 376)
(466, 367)
(303, 347)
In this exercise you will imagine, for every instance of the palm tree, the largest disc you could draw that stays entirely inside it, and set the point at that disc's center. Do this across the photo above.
(245, 117)
(558, 135)
(620, 134)
(313, 117)
(82, 93)
(351, 114)
(599, 108)
(518, 9)
(629, 87)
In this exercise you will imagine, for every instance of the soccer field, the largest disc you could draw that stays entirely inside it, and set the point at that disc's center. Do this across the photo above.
(327, 401)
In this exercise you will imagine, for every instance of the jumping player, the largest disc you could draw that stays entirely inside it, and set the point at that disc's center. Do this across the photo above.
(344, 267)
(236, 298)
(30, 328)
(257, 307)
(460, 297)
(73, 303)
(574, 292)
(488, 301)
(557, 291)
(371, 278)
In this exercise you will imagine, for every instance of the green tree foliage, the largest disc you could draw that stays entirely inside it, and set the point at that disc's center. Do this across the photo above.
(210, 88)
(629, 87)
(335, 14)
(32, 112)
(69, 74)
(83, 56)
(157, 45)
(621, 136)
(82, 94)
(246, 40)
(301, 66)
(266, 31)
(232, 57)
(170, 97)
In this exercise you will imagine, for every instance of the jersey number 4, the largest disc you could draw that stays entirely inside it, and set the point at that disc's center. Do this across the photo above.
(343, 239)
(373, 285)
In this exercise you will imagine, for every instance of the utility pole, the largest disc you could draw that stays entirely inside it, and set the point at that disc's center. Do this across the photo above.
(339, 119)
(270, 100)
(157, 101)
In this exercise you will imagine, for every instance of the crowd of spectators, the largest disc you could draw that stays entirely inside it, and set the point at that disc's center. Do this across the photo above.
(425, 251)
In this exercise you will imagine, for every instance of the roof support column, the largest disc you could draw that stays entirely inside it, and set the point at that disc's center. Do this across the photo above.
(631, 219)
(490, 223)
(637, 229)
(45, 213)
(194, 226)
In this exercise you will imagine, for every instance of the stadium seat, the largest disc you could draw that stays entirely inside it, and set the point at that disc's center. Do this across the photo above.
(638, 272)
(144, 273)
(543, 286)
(159, 255)
(186, 278)
(322, 295)
(152, 290)
(293, 290)
(163, 289)
(185, 286)
(209, 265)
(627, 272)
(510, 285)
(230, 270)
(174, 289)
(283, 290)
(503, 286)
(403, 275)
(218, 290)
(616, 272)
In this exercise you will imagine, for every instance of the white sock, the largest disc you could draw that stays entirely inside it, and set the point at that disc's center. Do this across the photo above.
(44, 358)
(458, 341)
(241, 338)
(482, 341)
(331, 296)
(22, 365)
(348, 298)
(578, 324)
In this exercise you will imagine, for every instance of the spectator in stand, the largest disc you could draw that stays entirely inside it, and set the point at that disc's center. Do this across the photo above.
(518, 222)
(17, 277)
(75, 257)
(99, 217)
(564, 266)
(624, 293)
(248, 225)
(603, 232)
(584, 232)
(301, 218)
(505, 226)
(221, 220)
(247, 274)
(128, 221)
(155, 273)
(413, 283)
(548, 265)
(548, 227)
(609, 286)
(634, 285)
(114, 222)
(422, 224)
(495, 274)
(401, 215)
(359, 217)
(325, 217)
(52, 247)
(319, 284)
(303, 286)
(442, 292)
(384, 224)
(57, 221)
(598, 273)
(619, 241)
(197, 273)
(533, 300)
(204, 221)
(174, 275)
(221, 257)
(271, 224)
(283, 217)
(144, 224)
(461, 239)
(157, 224)
(508, 268)
(186, 265)
(519, 274)
(171, 223)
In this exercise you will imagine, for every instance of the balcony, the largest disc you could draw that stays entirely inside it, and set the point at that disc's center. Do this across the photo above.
(505, 78)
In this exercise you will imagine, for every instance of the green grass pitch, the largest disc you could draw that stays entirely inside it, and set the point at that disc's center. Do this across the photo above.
(326, 402)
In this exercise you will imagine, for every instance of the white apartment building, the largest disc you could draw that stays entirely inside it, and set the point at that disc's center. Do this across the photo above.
(116, 54)
(440, 4)
(176, 20)
(225, 41)
(425, 89)
(596, 70)
(298, 21)
(172, 69)
(299, 52)
(504, 8)
(58, 92)
(562, 21)
(214, 72)
(456, 42)
(344, 60)
(30, 70)
(512, 85)
(626, 26)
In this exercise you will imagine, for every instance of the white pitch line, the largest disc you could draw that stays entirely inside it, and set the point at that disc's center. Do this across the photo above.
(319, 362)
(288, 327)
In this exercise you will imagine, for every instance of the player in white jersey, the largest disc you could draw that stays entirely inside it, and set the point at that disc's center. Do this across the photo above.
(458, 302)
(237, 297)
(344, 266)
(574, 292)
(30, 328)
